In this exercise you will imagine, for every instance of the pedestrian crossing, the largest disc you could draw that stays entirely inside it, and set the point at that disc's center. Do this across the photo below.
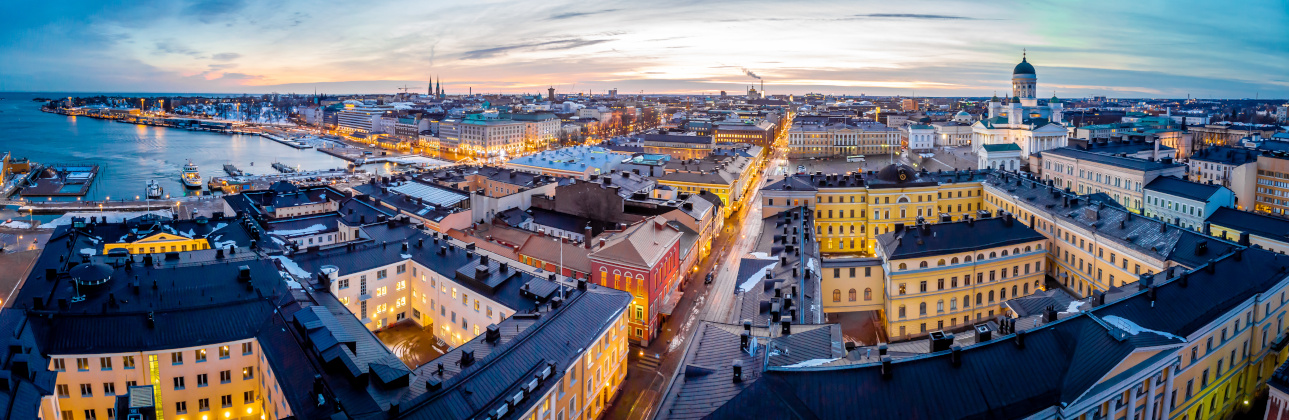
(649, 362)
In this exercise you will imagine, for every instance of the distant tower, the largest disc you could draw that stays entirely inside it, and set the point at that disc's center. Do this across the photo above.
(995, 107)
(438, 86)
(1024, 82)
(429, 90)
(1057, 109)
(550, 94)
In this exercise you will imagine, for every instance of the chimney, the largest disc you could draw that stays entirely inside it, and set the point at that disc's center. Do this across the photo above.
(881, 349)
(983, 333)
(586, 232)
(1049, 314)
(738, 370)
(886, 366)
(787, 326)
(955, 355)
(1020, 339)
(744, 340)
(493, 334)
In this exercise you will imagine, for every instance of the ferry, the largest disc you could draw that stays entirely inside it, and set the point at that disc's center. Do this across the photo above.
(189, 176)
(154, 190)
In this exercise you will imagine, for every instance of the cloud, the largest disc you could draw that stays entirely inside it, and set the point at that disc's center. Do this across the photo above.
(570, 15)
(210, 11)
(228, 56)
(562, 44)
(915, 16)
(239, 76)
(171, 46)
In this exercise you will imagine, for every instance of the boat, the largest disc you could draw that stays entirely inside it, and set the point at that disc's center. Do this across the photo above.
(154, 190)
(190, 177)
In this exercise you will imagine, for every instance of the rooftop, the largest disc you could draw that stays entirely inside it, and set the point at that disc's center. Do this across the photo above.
(1178, 187)
(930, 239)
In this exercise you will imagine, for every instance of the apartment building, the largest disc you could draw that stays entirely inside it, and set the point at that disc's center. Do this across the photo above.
(1121, 178)
(1271, 195)
(728, 176)
(643, 260)
(678, 146)
(852, 209)
(923, 264)
(759, 133)
(1231, 167)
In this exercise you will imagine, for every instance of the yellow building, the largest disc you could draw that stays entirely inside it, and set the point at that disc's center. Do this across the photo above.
(939, 276)
(853, 208)
(160, 242)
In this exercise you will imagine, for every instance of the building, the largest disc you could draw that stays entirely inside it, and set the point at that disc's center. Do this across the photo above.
(578, 162)
(921, 137)
(1271, 195)
(1228, 133)
(1248, 228)
(357, 118)
(1148, 354)
(814, 138)
(1005, 156)
(643, 260)
(541, 129)
(955, 133)
(483, 137)
(1119, 177)
(1022, 121)
(759, 133)
(728, 176)
(493, 189)
(778, 283)
(1231, 167)
(923, 264)
(679, 146)
(852, 209)
(1184, 203)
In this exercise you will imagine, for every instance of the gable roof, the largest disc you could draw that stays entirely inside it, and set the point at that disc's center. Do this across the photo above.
(642, 244)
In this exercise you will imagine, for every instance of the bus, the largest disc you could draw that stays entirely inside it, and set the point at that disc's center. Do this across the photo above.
(856, 158)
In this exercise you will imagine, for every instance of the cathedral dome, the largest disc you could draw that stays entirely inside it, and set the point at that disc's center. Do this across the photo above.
(963, 114)
(1024, 67)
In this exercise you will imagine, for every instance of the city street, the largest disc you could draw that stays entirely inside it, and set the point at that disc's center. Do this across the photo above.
(650, 369)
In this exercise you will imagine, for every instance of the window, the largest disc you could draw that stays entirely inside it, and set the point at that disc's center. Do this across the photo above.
(225, 376)
(246, 348)
(226, 401)
(105, 363)
(176, 358)
(922, 308)
(179, 382)
(91, 414)
(247, 373)
(248, 397)
(203, 404)
(109, 388)
(223, 352)
(60, 365)
(902, 312)
(82, 364)
(836, 295)
(343, 284)
(852, 295)
(868, 294)
(200, 355)
(181, 407)
(202, 380)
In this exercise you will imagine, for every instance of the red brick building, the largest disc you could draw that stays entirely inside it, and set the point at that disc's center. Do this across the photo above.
(643, 259)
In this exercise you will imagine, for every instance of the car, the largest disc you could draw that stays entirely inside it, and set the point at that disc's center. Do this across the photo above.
(709, 279)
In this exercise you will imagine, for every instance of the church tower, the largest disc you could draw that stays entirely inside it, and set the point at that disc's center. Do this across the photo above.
(1024, 83)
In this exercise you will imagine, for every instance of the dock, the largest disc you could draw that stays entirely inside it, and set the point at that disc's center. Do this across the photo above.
(232, 170)
(236, 184)
(286, 141)
(62, 180)
(59, 207)
(283, 168)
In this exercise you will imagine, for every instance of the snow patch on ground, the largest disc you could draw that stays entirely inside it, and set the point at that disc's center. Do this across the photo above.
(1074, 307)
(225, 244)
(294, 232)
(190, 233)
(276, 240)
(810, 363)
(813, 265)
(111, 216)
(291, 267)
(1134, 329)
(88, 251)
(761, 256)
(16, 224)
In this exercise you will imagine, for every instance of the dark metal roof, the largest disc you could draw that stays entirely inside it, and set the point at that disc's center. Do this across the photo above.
(1116, 161)
(1181, 188)
(1269, 227)
(952, 237)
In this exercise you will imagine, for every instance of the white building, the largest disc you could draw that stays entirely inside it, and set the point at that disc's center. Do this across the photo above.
(921, 137)
(1185, 203)
(359, 118)
(1022, 121)
(999, 156)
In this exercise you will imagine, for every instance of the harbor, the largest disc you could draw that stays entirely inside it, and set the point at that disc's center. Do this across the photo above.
(61, 180)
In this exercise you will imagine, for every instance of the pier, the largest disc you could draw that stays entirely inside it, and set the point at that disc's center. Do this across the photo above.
(59, 207)
(236, 184)
(232, 170)
(61, 180)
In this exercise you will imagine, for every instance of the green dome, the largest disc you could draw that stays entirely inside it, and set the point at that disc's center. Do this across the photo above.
(1023, 68)
(1015, 99)
(1054, 100)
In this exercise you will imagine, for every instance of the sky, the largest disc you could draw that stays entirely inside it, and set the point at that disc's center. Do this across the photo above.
(1118, 48)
